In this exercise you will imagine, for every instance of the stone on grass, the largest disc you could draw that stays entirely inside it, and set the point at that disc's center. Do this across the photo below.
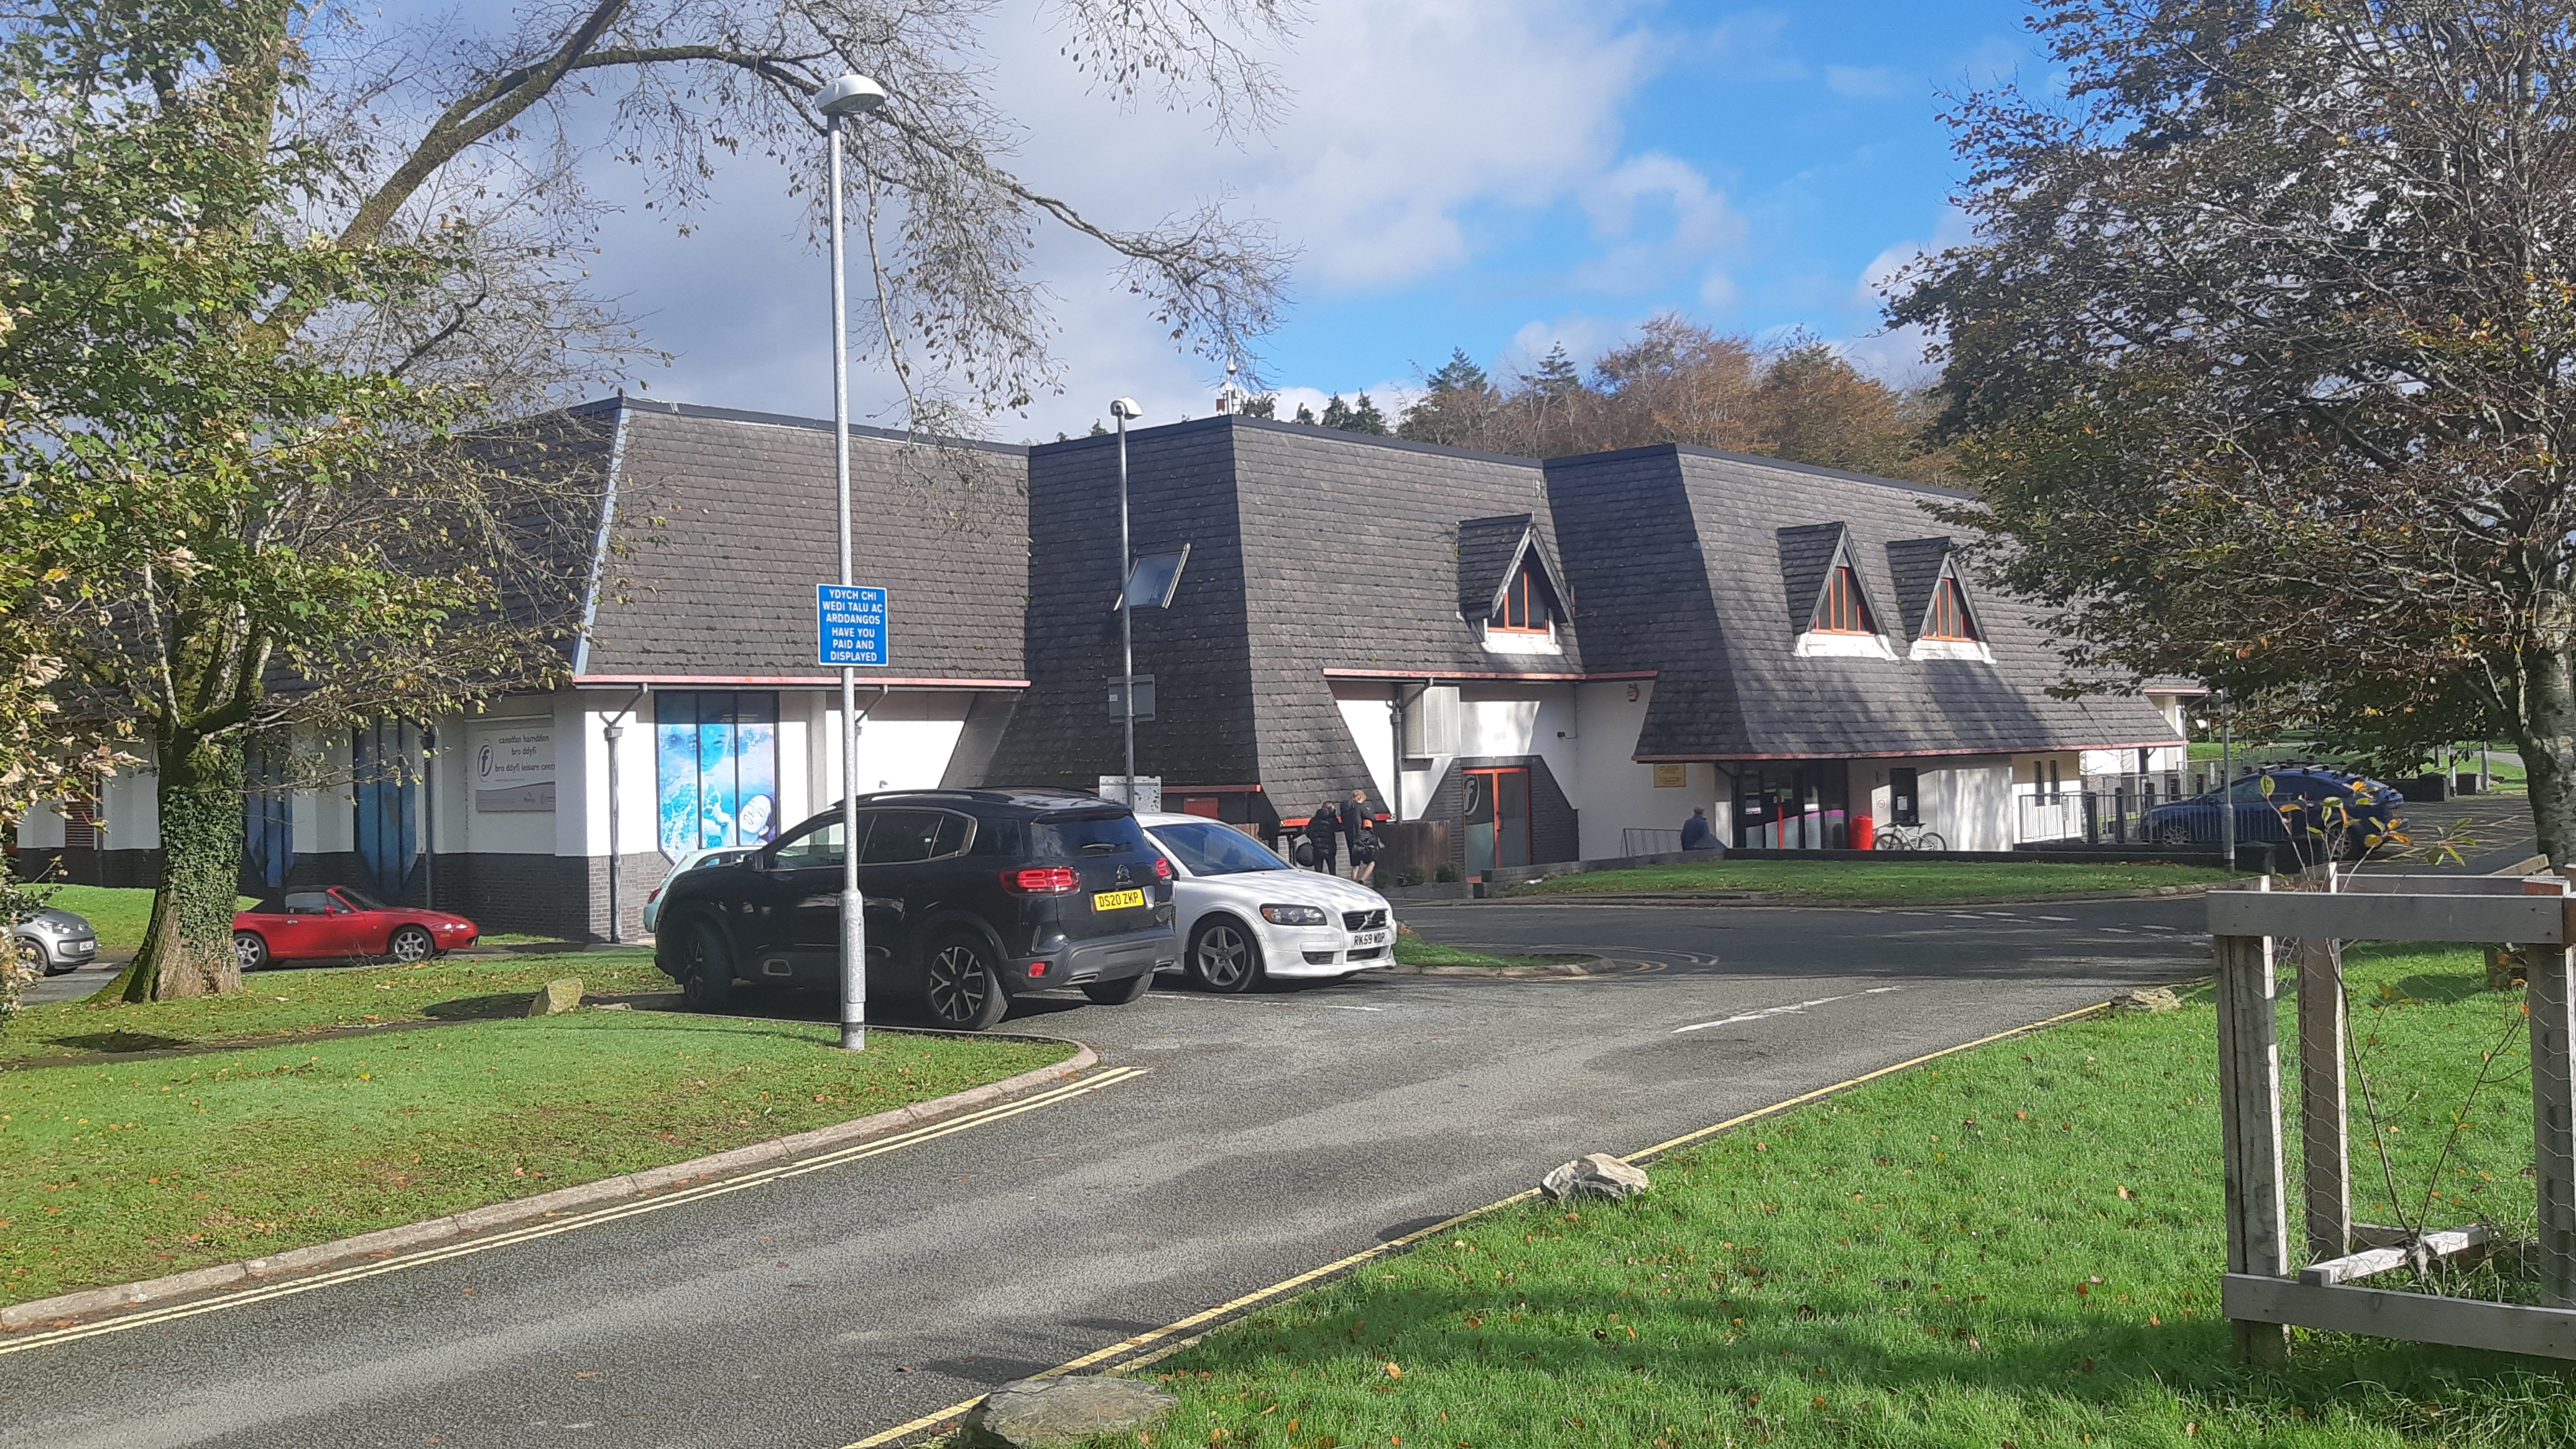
(1599, 1175)
(2154, 998)
(1075, 1409)
(556, 997)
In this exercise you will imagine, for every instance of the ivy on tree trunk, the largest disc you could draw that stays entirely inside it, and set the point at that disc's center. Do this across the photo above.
(188, 946)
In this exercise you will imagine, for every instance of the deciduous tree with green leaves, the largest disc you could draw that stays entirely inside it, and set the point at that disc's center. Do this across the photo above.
(2263, 358)
(269, 259)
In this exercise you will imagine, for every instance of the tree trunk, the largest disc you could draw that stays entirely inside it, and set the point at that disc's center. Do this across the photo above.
(2548, 742)
(188, 947)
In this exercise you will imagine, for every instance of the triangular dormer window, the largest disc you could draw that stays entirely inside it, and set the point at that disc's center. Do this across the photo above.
(1948, 619)
(1524, 605)
(1840, 609)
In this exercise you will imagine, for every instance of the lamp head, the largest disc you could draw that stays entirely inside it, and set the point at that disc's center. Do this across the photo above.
(1125, 407)
(851, 95)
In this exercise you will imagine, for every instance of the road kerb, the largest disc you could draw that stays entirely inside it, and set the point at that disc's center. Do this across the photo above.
(1160, 1343)
(386, 1241)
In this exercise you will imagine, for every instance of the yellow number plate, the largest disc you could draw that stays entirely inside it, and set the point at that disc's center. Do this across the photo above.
(1117, 900)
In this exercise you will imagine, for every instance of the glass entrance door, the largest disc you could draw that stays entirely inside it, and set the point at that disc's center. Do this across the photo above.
(1497, 819)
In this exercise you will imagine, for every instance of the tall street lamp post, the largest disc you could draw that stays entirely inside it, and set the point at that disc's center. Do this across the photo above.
(1122, 409)
(851, 95)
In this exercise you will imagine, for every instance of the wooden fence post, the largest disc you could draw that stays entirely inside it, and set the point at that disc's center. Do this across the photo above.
(2249, 1107)
(2552, 1003)
(2325, 1144)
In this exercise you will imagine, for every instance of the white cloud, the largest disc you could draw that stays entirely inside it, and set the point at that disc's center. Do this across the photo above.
(1657, 187)
(1850, 80)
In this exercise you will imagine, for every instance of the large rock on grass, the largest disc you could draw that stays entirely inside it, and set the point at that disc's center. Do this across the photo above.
(556, 997)
(1599, 1175)
(1035, 1413)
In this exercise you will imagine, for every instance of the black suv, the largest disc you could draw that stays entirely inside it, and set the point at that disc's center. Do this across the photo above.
(973, 897)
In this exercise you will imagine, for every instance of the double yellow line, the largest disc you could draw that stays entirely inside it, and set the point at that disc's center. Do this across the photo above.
(1171, 1338)
(857, 1152)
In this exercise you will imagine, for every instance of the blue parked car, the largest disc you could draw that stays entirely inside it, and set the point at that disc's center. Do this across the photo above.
(2296, 805)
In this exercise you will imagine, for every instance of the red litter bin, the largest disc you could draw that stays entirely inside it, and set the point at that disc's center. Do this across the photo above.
(1864, 833)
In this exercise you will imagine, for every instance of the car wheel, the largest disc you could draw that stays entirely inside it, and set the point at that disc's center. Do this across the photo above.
(1223, 957)
(2175, 832)
(411, 945)
(250, 949)
(30, 957)
(706, 982)
(959, 985)
(1120, 993)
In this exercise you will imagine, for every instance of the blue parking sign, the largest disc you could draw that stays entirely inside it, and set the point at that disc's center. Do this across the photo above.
(850, 624)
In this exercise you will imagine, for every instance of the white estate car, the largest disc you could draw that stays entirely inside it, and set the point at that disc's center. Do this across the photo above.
(1243, 913)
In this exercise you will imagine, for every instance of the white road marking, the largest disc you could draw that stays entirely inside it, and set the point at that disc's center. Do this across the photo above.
(1786, 1010)
(2068, 919)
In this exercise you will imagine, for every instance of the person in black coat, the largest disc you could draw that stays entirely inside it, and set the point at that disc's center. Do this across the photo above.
(1324, 833)
(1356, 819)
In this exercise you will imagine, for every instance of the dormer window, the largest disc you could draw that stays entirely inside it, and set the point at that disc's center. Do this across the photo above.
(1948, 620)
(1840, 609)
(1524, 607)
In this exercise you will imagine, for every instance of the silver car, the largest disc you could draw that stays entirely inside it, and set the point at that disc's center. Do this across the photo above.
(53, 942)
(712, 855)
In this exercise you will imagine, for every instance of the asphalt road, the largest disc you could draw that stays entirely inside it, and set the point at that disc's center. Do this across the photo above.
(1272, 1134)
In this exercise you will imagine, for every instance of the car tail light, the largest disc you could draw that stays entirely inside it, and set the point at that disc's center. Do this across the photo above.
(1037, 968)
(1162, 868)
(1053, 880)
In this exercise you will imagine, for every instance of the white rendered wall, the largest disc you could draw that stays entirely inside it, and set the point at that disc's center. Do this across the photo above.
(1368, 716)
(1968, 799)
(462, 828)
(1615, 792)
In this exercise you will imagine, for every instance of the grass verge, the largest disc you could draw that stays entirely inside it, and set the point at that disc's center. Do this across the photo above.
(110, 1174)
(2014, 1246)
(281, 1003)
(117, 913)
(1892, 881)
(1412, 950)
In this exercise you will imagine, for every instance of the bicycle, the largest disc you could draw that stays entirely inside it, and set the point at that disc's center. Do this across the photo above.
(1908, 837)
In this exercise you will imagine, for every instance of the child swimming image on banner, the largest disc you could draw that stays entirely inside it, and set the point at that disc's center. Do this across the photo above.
(716, 768)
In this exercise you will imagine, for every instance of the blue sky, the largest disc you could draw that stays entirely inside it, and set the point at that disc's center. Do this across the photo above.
(1496, 175)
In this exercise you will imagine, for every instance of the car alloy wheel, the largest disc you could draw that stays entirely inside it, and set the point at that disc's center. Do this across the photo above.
(708, 986)
(31, 957)
(250, 950)
(411, 945)
(2175, 833)
(960, 987)
(1223, 958)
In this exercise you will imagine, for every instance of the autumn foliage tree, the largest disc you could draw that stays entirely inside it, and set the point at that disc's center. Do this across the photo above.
(2261, 359)
(1676, 381)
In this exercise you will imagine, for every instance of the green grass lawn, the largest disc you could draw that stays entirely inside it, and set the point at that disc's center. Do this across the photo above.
(2017, 1246)
(1875, 880)
(280, 1002)
(118, 914)
(1412, 950)
(109, 1174)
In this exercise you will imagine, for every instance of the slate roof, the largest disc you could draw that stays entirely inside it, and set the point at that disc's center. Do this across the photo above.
(1914, 565)
(1680, 555)
(1807, 553)
(723, 525)
(1311, 550)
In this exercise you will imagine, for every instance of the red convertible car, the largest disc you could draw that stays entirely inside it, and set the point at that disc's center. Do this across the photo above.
(339, 924)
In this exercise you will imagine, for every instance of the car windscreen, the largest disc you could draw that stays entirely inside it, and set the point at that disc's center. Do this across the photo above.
(361, 899)
(1076, 837)
(1216, 849)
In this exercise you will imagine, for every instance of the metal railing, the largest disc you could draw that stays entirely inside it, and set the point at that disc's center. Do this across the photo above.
(2113, 810)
